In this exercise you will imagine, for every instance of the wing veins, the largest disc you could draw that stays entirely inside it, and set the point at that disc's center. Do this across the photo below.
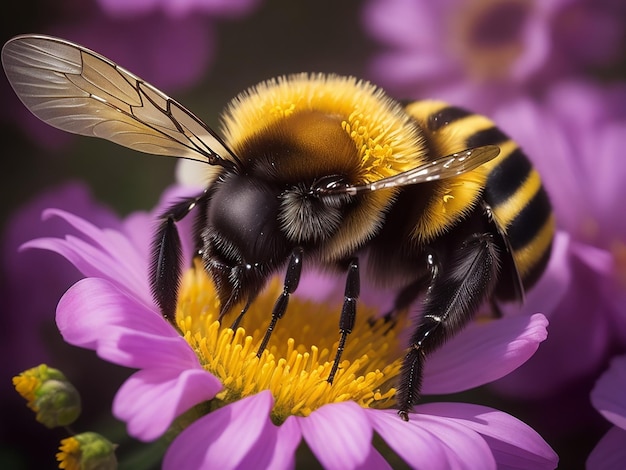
(80, 91)
(141, 95)
(121, 73)
(185, 143)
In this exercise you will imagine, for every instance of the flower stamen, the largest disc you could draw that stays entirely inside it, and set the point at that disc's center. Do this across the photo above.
(299, 357)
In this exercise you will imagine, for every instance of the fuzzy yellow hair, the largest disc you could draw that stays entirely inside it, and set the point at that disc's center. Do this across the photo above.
(385, 137)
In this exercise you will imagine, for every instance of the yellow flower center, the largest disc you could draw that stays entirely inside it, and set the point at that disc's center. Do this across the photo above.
(299, 357)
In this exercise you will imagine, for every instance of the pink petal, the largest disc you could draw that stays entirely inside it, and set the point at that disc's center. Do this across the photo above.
(22, 271)
(139, 227)
(374, 461)
(227, 437)
(287, 440)
(112, 242)
(105, 253)
(151, 399)
(608, 396)
(483, 352)
(432, 442)
(514, 444)
(113, 306)
(610, 452)
(276, 449)
(339, 434)
(415, 444)
(580, 332)
(119, 328)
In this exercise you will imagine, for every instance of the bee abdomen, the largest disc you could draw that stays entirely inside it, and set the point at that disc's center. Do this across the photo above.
(520, 204)
(512, 187)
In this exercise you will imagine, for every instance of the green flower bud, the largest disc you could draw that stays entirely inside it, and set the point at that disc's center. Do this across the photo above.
(49, 394)
(87, 451)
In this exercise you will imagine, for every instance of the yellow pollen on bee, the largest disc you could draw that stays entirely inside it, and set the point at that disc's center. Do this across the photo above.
(377, 157)
(283, 111)
(299, 357)
(385, 138)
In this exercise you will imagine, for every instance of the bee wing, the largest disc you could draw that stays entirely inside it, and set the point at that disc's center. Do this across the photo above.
(80, 91)
(442, 168)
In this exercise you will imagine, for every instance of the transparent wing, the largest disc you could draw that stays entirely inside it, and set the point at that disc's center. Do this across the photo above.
(80, 91)
(442, 168)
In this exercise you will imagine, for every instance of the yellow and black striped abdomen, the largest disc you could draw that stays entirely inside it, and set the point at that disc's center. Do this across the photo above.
(509, 184)
(521, 207)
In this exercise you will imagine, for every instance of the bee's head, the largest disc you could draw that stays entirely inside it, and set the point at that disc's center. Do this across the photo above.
(253, 225)
(243, 243)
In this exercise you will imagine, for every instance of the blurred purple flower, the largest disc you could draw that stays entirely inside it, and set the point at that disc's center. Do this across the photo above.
(609, 398)
(171, 54)
(111, 311)
(474, 53)
(178, 8)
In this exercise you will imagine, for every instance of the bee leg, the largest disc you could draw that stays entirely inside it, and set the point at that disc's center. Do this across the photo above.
(465, 279)
(235, 324)
(292, 279)
(165, 266)
(348, 313)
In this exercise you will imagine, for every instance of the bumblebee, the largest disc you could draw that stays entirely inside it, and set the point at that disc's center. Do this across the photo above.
(424, 198)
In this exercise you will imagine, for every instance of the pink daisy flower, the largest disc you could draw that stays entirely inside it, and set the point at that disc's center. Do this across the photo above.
(227, 408)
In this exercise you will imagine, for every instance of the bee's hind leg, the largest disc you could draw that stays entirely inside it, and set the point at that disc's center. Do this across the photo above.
(466, 277)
